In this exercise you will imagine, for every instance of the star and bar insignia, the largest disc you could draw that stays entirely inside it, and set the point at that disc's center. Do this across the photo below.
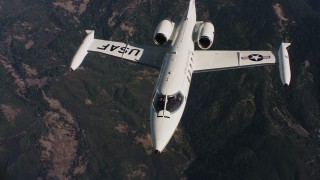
(255, 57)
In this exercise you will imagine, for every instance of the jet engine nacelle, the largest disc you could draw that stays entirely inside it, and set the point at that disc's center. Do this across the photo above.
(284, 64)
(82, 51)
(206, 35)
(163, 32)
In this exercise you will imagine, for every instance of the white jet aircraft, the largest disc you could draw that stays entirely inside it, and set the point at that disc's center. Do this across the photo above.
(179, 62)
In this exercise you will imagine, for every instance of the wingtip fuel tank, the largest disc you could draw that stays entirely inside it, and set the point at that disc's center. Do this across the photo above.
(82, 51)
(284, 64)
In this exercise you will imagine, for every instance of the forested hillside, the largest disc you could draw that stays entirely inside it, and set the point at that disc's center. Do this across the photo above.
(94, 123)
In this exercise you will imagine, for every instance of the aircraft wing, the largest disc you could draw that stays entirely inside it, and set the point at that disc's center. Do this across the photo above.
(206, 61)
(150, 56)
(147, 55)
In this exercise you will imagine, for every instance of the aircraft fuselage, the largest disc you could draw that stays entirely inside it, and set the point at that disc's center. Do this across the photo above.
(174, 82)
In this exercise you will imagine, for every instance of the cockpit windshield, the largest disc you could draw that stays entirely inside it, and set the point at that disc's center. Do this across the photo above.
(174, 102)
(159, 102)
(171, 103)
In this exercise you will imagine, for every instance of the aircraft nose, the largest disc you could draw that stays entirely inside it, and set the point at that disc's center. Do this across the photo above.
(162, 129)
(157, 152)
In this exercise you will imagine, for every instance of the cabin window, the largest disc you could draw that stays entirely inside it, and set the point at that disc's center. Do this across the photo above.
(189, 72)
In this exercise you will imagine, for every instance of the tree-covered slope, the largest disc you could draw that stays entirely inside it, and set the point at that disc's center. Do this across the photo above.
(94, 123)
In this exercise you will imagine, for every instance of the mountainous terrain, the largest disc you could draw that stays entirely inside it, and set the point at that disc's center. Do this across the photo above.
(94, 123)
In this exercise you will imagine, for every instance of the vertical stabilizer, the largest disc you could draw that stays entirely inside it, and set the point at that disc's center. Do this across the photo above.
(192, 9)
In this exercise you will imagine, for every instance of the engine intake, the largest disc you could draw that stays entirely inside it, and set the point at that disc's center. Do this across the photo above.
(163, 32)
(206, 35)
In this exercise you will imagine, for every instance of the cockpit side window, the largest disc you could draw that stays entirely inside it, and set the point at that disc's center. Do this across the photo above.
(159, 102)
(174, 102)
